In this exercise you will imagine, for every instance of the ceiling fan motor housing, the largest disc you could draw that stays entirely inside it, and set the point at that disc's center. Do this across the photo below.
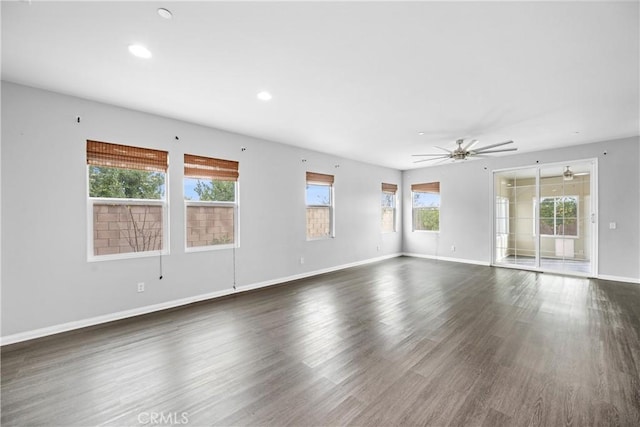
(459, 153)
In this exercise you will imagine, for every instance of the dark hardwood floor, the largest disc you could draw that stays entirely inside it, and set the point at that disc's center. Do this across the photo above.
(404, 341)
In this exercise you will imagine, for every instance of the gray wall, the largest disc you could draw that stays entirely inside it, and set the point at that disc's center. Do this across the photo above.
(46, 279)
(467, 211)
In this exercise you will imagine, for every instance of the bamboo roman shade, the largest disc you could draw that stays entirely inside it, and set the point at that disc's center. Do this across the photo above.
(319, 178)
(210, 168)
(126, 157)
(429, 187)
(389, 188)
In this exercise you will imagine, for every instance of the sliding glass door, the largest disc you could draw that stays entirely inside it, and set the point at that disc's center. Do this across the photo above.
(544, 218)
(514, 221)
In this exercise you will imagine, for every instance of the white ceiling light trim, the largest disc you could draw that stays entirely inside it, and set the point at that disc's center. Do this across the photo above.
(140, 51)
(264, 96)
(165, 13)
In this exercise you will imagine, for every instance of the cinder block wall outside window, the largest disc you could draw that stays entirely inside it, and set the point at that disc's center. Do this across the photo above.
(119, 229)
(318, 222)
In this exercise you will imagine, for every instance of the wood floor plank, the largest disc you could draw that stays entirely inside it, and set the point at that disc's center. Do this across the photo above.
(404, 341)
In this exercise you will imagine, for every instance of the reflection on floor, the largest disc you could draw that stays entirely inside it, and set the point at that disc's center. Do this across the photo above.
(552, 264)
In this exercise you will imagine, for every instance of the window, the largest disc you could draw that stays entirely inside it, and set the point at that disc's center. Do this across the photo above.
(426, 206)
(389, 207)
(319, 200)
(559, 216)
(502, 215)
(127, 200)
(210, 198)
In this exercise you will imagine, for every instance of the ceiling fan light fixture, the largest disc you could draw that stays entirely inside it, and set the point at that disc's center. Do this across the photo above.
(567, 174)
(460, 153)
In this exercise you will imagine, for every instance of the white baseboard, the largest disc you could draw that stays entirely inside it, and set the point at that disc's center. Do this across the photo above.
(466, 261)
(442, 258)
(65, 327)
(314, 273)
(92, 321)
(618, 278)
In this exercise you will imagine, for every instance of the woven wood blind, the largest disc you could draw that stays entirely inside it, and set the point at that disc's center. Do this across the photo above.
(429, 187)
(210, 168)
(389, 188)
(319, 178)
(126, 157)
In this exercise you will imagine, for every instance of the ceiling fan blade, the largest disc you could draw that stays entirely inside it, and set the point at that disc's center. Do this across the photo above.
(470, 144)
(492, 146)
(475, 153)
(444, 149)
(446, 159)
(581, 174)
(434, 158)
(418, 155)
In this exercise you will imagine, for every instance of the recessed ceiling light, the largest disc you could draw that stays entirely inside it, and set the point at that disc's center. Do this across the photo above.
(139, 51)
(165, 13)
(420, 133)
(264, 96)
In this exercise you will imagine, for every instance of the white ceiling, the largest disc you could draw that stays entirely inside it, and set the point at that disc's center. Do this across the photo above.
(355, 79)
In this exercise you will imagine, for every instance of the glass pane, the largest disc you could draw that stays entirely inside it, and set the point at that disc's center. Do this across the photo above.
(502, 227)
(426, 219)
(548, 247)
(318, 222)
(119, 229)
(210, 225)
(548, 220)
(318, 195)
(388, 200)
(125, 183)
(209, 190)
(515, 241)
(426, 211)
(567, 213)
(565, 196)
(423, 200)
(388, 220)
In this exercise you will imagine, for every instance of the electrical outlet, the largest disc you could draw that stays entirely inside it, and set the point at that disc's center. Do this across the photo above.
(378, 248)
(453, 248)
(141, 287)
(301, 260)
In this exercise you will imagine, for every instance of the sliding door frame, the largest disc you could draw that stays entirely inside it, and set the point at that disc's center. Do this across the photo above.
(591, 221)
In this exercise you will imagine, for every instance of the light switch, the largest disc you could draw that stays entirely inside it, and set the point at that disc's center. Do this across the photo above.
(612, 225)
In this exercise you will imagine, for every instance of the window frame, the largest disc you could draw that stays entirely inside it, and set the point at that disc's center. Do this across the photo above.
(213, 203)
(415, 188)
(117, 201)
(312, 179)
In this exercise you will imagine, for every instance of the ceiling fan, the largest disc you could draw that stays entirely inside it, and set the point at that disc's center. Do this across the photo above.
(568, 174)
(461, 153)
